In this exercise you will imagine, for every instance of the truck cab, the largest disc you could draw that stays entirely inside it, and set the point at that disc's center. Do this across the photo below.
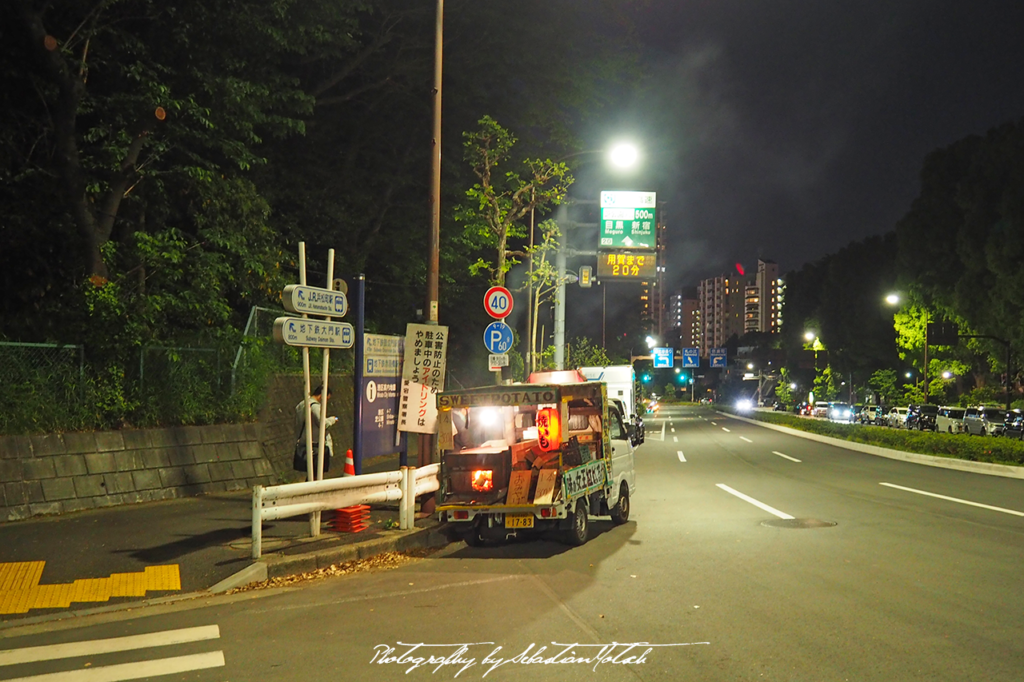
(532, 458)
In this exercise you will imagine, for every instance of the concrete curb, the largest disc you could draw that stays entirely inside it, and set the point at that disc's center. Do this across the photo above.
(281, 565)
(986, 468)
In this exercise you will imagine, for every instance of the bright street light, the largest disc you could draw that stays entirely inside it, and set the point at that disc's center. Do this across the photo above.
(892, 299)
(947, 374)
(623, 155)
(750, 365)
(651, 342)
(809, 335)
(793, 386)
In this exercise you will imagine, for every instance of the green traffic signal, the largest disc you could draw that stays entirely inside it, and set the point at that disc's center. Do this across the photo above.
(647, 377)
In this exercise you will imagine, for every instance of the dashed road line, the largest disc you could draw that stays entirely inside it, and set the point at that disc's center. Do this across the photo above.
(714, 423)
(746, 439)
(673, 429)
(675, 439)
(663, 432)
(726, 430)
(751, 500)
(121, 671)
(954, 499)
(792, 459)
(679, 454)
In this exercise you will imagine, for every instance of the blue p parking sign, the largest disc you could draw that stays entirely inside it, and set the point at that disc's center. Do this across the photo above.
(498, 337)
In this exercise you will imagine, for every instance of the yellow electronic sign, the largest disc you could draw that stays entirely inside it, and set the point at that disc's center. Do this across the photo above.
(625, 265)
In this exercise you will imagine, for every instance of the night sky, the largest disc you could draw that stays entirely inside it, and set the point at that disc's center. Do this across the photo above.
(785, 129)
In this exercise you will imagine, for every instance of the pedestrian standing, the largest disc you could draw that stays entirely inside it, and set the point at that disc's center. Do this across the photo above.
(299, 461)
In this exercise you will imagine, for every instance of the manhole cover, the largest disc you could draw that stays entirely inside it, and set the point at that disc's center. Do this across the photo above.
(798, 523)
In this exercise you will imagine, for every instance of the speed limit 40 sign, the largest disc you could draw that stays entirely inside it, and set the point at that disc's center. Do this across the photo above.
(498, 302)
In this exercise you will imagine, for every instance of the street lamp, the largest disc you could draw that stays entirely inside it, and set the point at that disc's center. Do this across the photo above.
(619, 155)
(651, 342)
(894, 299)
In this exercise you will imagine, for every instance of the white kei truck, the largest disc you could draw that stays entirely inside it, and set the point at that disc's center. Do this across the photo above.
(621, 383)
(530, 458)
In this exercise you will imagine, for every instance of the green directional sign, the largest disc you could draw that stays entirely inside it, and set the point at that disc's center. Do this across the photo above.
(628, 220)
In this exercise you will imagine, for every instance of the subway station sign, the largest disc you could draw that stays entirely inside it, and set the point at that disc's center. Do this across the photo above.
(626, 265)
(628, 220)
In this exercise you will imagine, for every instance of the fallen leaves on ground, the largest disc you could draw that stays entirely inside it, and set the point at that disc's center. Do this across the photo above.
(380, 562)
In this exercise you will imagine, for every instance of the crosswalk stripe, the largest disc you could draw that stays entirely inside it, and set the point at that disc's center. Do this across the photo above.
(105, 646)
(133, 671)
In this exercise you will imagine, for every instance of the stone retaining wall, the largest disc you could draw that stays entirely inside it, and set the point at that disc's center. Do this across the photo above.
(58, 473)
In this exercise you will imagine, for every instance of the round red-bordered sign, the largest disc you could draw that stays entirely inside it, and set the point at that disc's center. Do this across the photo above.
(498, 302)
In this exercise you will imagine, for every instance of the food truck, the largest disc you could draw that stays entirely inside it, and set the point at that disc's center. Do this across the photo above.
(532, 458)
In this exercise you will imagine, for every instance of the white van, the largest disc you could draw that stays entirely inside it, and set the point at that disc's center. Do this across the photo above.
(950, 420)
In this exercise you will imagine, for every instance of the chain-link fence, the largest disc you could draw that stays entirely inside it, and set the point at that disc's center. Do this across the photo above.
(48, 387)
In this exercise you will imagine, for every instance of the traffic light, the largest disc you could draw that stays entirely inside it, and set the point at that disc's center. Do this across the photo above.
(647, 378)
(682, 378)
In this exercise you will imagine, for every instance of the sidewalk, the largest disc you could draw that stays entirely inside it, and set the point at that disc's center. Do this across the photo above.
(207, 539)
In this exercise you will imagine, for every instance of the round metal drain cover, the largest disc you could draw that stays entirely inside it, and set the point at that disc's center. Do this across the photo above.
(798, 523)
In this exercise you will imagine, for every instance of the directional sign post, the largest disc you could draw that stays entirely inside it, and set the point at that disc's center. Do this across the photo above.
(628, 220)
(298, 331)
(662, 357)
(498, 302)
(314, 301)
(719, 357)
(691, 357)
(498, 338)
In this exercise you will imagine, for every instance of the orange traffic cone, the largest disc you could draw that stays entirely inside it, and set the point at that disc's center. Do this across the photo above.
(350, 465)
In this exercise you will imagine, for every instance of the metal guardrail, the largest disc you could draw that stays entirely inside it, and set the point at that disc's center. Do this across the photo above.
(294, 499)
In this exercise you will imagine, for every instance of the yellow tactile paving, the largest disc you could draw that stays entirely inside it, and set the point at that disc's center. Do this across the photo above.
(20, 589)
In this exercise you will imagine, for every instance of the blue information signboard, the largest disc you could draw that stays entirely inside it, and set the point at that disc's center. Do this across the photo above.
(691, 357)
(719, 357)
(380, 390)
(662, 357)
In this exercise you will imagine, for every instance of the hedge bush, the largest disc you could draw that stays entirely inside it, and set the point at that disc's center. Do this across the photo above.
(976, 449)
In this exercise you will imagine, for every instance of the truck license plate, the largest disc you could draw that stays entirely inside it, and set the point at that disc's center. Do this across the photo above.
(519, 520)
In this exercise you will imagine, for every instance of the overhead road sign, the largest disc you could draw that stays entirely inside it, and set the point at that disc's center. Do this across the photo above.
(719, 357)
(691, 357)
(662, 357)
(314, 301)
(627, 265)
(298, 331)
(498, 302)
(628, 220)
(498, 337)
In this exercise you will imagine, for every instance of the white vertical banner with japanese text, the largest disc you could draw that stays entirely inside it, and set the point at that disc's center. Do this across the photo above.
(426, 349)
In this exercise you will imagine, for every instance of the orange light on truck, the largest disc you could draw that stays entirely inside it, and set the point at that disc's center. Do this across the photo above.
(549, 428)
(483, 480)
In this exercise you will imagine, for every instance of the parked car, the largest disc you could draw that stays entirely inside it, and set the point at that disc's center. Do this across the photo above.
(950, 420)
(985, 421)
(922, 417)
(821, 410)
(1013, 425)
(871, 414)
(840, 412)
(896, 418)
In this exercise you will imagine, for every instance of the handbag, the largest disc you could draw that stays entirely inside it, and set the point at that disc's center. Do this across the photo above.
(299, 458)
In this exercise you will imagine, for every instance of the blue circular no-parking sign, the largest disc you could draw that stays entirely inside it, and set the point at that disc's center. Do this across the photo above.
(498, 337)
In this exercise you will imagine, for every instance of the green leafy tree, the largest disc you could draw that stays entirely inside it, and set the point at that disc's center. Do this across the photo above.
(498, 202)
(883, 382)
(584, 353)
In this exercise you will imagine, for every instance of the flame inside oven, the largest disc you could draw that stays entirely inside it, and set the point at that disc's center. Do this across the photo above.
(483, 480)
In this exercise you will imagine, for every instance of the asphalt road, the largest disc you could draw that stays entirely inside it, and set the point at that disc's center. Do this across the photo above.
(906, 585)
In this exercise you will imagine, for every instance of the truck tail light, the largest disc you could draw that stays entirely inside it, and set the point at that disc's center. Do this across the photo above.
(460, 515)
(547, 512)
(483, 480)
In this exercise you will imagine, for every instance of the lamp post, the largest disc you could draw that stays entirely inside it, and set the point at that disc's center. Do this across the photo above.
(619, 155)
(893, 300)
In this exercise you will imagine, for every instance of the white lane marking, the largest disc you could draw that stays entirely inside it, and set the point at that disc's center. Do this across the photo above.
(106, 646)
(663, 432)
(679, 454)
(746, 439)
(751, 500)
(954, 499)
(673, 429)
(134, 671)
(792, 459)
(726, 430)
(714, 424)
(675, 439)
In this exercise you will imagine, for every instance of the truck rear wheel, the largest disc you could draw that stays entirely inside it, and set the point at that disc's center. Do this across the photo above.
(620, 512)
(579, 531)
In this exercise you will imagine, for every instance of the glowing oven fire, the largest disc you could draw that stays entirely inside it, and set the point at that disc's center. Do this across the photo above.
(483, 480)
